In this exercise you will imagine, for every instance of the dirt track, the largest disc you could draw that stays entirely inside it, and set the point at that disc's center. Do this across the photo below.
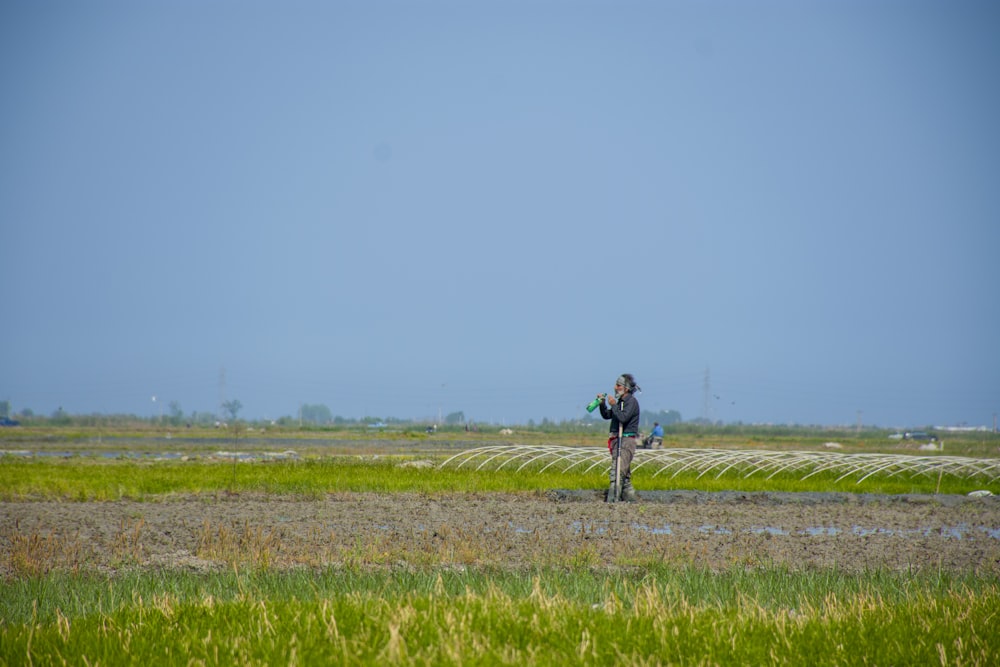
(800, 531)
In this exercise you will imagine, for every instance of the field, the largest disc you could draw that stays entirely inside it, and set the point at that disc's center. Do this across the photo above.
(361, 550)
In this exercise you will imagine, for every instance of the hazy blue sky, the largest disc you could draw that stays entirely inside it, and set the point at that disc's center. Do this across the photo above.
(408, 208)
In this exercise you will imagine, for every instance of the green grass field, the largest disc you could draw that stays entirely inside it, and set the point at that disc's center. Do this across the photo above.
(560, 616)
(103, 479)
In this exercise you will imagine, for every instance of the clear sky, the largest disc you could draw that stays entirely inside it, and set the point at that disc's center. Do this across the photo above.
(403, 209)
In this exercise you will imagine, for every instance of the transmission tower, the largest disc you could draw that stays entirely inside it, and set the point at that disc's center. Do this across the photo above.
(706, 405)
(222, 393)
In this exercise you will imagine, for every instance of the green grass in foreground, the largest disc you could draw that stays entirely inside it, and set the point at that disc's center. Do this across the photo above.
(98, 479)
(540, 617)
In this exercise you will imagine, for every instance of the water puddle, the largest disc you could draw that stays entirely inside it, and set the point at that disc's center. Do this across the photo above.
(149, 456)
(55, 454)
(962, 531)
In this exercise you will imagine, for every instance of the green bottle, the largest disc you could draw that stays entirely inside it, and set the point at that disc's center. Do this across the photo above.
(593, 405)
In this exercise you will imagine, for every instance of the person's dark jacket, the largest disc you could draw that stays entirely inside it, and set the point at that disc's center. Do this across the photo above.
(624, 411)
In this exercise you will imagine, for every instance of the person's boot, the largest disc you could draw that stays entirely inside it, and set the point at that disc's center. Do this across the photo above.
(612, 493)
(628, 494)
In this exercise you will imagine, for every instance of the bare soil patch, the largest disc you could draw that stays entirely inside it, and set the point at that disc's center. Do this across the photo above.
(717, 530)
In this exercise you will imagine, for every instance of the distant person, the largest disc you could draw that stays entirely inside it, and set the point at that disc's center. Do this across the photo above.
(655, 439)
(622, 409)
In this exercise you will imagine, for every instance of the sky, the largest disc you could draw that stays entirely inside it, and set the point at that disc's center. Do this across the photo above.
(768, 212)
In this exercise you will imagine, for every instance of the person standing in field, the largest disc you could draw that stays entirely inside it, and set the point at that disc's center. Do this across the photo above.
(622, 409)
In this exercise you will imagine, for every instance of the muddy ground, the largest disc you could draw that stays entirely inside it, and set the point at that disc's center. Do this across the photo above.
(719, 530)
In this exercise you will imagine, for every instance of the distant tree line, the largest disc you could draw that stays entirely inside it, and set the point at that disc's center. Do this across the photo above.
(310, 416)
(315, 414)
(661, 417)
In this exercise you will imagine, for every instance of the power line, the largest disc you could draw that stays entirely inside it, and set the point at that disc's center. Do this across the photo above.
(222, 391)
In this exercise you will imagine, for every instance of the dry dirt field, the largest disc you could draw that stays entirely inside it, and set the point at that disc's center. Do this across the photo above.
(718, 530)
